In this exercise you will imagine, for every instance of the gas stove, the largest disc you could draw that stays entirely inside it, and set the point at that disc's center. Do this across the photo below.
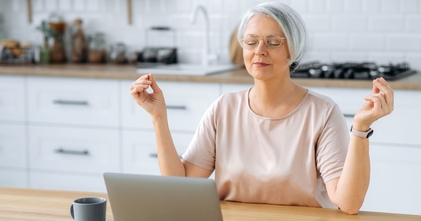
(356, 71)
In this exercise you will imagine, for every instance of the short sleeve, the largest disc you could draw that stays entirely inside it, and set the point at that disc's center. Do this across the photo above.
(201, 151)
(332, 145)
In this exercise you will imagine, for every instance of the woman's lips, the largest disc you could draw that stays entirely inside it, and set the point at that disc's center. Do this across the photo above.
(260, 64)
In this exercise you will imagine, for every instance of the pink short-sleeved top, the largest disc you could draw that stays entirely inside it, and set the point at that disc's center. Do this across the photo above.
(284, 161)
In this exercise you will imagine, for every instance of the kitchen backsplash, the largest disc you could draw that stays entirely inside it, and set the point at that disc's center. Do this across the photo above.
(382, 31)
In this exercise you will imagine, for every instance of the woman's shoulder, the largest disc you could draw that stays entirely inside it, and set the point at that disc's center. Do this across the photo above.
(230, 101)
(230, 97)
(320, 98)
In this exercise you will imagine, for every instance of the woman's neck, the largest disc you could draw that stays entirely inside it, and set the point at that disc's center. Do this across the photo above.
(275, 98)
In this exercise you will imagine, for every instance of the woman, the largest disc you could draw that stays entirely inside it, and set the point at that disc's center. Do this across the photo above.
(277, 142)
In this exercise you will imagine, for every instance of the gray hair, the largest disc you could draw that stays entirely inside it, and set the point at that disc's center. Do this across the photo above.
(291, 23)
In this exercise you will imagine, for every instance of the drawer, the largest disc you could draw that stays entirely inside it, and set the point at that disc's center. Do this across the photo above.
(73, 101)
(186, 104)
(12, 98)
(139, 151)
(13, 146)
(71, 182)
(13, 178)
(74, 149)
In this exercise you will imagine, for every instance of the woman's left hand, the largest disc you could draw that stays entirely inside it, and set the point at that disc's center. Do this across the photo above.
(378, 104)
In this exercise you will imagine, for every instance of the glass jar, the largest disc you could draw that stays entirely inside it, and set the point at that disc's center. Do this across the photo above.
(117, 53)
(58, 27)
(97, 49)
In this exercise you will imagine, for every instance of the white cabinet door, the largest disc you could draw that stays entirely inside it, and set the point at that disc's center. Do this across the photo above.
(73, 101)
(13, 178)
(395, 184)
(73, 149)
(186, 104)
(13, 146)
(72, 182)
(139, 151)
(12, 100)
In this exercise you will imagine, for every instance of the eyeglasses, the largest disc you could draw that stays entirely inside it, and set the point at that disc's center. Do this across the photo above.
(251, 42)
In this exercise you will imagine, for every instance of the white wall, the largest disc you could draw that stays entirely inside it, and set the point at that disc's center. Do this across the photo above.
(340, 30)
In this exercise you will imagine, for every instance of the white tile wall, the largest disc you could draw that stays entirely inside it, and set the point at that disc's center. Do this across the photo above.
(339, 30)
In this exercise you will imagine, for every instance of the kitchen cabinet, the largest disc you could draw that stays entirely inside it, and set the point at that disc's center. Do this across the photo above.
(68, 149)
(139, 150)
(12, 98)
(395, 179)
(186, 103)
(10, 177)
(73, 134)
(66, 132)
(13, 146)
(47, 124)
(73, 101)
(13, 143)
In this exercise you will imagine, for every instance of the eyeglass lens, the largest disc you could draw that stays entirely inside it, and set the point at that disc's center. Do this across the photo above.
(271, 41)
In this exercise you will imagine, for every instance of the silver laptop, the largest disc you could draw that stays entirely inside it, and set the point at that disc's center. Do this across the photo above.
(147, 197)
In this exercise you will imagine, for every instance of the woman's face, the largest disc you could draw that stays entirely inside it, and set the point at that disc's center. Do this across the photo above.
(263, 62)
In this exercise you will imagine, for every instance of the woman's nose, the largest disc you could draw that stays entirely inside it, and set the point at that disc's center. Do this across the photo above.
(261, 49)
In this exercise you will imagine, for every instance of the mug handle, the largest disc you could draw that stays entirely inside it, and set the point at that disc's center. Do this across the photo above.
(71, 212)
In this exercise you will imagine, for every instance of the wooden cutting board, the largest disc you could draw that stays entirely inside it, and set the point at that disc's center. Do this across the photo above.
(236, 51)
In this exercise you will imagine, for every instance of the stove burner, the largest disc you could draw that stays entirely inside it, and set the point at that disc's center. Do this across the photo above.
(358, 71)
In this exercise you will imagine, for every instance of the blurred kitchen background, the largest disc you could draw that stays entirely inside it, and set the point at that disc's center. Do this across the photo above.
(380, 31)
(62, 126)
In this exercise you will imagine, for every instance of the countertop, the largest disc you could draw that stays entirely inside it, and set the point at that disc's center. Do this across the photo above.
(240, 76)
(41, 205)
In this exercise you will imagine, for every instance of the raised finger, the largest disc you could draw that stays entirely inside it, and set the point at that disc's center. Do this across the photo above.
(141, 82)
(390, 93)
(385, 90)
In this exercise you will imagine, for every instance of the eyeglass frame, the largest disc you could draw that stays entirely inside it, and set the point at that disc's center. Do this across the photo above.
(264, 39)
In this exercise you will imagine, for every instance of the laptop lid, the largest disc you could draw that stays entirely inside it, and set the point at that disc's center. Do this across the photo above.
(147, 197)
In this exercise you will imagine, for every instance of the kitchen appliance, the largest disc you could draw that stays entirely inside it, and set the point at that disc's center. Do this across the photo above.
(352, 70)
(160, 47)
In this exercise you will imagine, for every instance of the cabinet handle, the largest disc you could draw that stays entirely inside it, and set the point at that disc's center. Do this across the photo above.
(155, 155)
(72, 152)
(176, 107)
(67, 102)
(349, 115)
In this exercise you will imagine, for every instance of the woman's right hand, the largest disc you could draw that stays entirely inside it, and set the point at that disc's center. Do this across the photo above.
(153, 103)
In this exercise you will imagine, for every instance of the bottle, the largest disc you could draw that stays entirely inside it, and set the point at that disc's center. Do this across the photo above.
(44, 52)
(79, 46)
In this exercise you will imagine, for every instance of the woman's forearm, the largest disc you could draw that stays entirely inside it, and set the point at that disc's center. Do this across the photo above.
(168, 158)
(352, 186)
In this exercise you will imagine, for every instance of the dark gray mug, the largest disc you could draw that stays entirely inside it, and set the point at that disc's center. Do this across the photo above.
(89, 209)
